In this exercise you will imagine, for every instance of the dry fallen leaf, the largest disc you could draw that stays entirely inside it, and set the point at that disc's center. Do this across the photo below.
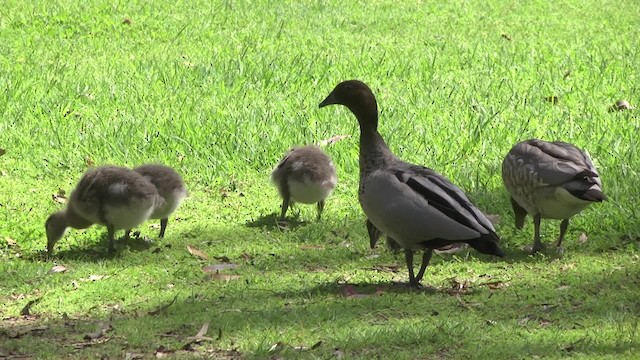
(621, 105)
(57, 269)
(126, 21)
(88, 161)
(387, 268)
(350, 292)
(524, 320)
(102, 330)
(10, 241)
(223, 258)
(95, 278)
(333, 140)
(2, 151)
(82, 345)
(582, 238)
(566, 267)
(59, 198)
(305, 348)
(218, 267)
(162, 352)
(506, 37)
(567, 74)
(276, 347)
(458, 287)
(133, 356)
(195, 252)
(496, 285)
(20, 332)
(311, 247)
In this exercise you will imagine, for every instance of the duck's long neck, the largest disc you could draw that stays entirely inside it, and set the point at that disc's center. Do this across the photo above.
(374, 152)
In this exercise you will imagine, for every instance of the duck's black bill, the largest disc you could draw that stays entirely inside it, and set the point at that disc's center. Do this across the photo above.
(330, 100)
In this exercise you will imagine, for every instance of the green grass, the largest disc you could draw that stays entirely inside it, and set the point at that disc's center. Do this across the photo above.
(220, 89)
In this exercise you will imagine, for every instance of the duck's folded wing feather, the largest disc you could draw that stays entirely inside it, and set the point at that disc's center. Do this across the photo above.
(412, 209)
(555, 163)
(442, 193)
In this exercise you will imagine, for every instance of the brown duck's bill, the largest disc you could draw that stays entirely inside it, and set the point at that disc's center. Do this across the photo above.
(330, 100)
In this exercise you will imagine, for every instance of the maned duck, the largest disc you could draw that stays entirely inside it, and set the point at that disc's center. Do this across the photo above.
(416, 207)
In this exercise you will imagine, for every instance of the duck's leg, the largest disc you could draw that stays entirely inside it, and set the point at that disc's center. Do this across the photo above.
(563, 229)
(110, 234)
(163, 226)
(426, 258)
(408, 255)
(285, 207)
(519, 213)
(537, 244)
(320, 208)
(374, 234)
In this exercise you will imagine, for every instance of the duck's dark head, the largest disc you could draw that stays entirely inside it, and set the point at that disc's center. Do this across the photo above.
(359, 98)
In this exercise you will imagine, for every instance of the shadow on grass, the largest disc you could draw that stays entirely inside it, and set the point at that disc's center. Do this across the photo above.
(529, 320)
(271, 222)
(95, 253)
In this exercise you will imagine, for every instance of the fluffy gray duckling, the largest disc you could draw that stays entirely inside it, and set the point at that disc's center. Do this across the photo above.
(114, 196)
(170, 187)
(416, 207)
(306, 175)
(549, 180)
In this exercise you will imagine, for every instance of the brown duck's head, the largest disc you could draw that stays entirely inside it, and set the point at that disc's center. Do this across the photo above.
(358, 97)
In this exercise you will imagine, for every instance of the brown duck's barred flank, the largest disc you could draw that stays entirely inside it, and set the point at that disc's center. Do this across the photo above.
(549, 180)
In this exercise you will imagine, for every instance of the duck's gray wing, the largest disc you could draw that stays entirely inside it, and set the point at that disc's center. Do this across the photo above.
(419, 208)
(446, 197)
(559, 164)
(554, 163)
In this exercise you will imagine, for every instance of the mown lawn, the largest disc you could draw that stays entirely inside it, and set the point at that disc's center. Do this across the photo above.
(221, 89)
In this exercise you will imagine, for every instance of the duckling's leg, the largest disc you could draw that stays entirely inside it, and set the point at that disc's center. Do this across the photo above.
(110, 234)
(285, 206)
(408, 255)
(537, 244)
(163, 226)
(563, 229)
(519, 213)
(320, 208)
(426, 258)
